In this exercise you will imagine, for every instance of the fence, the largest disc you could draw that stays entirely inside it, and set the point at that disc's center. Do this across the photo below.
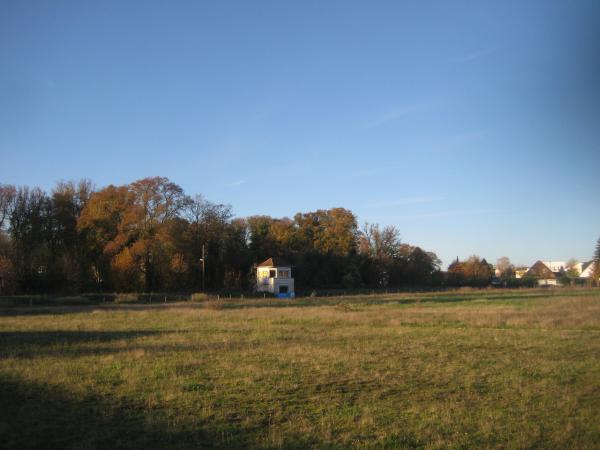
(170, 297)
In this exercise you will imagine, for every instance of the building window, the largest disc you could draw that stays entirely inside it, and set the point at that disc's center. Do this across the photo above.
(283, 289)
(272, 273)
(284, 274)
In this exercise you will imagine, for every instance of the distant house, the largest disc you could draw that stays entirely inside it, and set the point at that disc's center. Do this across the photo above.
(544, 274)
(275, 276)
(587, 269)
(521, 271)
(549, 273)
(577, 267)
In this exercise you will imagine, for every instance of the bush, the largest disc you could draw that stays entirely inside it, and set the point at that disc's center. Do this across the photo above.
(126, 298)
(529, 281)
(199, 297)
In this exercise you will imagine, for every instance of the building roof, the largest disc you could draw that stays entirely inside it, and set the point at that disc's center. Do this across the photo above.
(584, 266)
(540, 270)
(555, 266)
(274, 262)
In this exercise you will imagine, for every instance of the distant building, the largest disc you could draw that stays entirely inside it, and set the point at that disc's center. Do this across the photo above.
(578, 267)
(521, 271)
(544, 274)
(549, 273)
(556, 266)
(275, 276)
(587, 269)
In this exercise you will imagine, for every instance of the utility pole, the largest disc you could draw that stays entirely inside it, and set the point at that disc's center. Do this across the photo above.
(202, 261)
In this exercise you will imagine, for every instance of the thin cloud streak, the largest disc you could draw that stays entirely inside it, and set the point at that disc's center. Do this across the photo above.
(457, 213)
(395, 114)
(405, 201)
(482, 53)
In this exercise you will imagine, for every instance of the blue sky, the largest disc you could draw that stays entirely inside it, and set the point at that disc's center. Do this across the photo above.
(474, 127)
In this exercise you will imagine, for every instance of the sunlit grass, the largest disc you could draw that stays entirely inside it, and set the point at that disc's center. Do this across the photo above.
(474, 369)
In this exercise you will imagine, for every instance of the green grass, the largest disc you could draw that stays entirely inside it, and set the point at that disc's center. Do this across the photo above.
(474, 369)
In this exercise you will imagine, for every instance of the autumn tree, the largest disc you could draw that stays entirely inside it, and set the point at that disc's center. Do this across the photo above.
(379, 242)
(420, 267)
(475, 271)
(105, 225)
(383, 247)
(156, 201)
(211, 231)
(332, 231)
(149, 235)
(456, 273)
(261, 242)
(326, 243)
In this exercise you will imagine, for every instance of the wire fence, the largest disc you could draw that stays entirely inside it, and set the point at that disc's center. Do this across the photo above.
(222, 295)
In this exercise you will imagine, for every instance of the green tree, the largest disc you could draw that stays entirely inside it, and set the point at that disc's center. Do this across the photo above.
(597, 261)
(31, 233)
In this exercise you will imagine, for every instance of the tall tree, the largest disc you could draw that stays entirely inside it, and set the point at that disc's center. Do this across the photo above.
(156, 201)
(69, 253)
(8, 194)
(30, 232)
(106, 226)
(475, 271)
(597, 261)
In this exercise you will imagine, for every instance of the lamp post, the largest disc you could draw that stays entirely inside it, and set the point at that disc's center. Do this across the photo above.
(202, 261)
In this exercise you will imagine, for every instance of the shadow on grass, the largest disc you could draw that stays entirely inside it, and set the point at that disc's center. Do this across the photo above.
(25, 344)
(41, 310)
(69, 344)
(39, 416)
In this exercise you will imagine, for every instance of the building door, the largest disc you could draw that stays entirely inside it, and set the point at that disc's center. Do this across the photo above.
(283, 289)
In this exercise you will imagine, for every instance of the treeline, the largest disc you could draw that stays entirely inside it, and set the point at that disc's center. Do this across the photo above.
(477, 272)
(149, 236)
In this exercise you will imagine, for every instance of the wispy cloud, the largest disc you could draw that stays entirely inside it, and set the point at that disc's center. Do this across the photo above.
(237, 183)
(405, 201)
(395, 114)
(481, 53)
(283, 171)
(453, 213)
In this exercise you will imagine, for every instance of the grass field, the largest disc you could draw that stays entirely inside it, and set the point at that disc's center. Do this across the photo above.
(510, 369)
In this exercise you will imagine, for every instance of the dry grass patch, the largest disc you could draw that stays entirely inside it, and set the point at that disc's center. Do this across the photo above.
(374, 372)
